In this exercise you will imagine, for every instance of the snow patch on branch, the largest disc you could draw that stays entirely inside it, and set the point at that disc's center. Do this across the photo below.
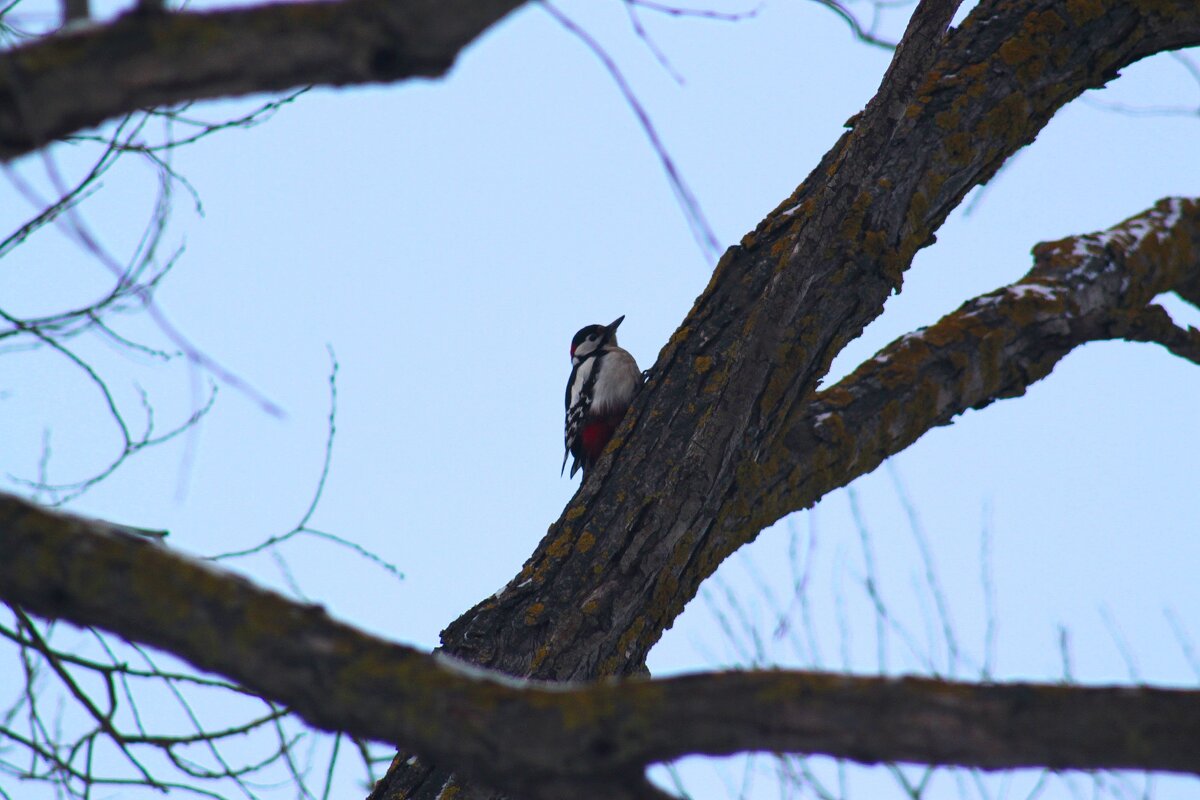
(882, 356)
(474, 672)
(1157, 223)
(1021, 290)
(496, 595)
(1081, 248)
(1174, 212)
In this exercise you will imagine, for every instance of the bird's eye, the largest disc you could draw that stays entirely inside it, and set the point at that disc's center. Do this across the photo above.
(591, 337)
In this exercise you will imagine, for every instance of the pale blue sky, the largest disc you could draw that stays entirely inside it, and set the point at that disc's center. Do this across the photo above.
(445, 238)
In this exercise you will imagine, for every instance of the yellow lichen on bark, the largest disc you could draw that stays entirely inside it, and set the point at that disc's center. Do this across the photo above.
(610, 665)
(874, 243)
(1082, 11)
(539, 657)
(560, 546)
(1008, 120)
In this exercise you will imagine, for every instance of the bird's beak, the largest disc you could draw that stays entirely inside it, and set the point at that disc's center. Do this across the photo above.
(612, 328)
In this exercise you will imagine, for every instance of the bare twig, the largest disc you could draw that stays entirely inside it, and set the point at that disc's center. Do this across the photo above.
(690, 205)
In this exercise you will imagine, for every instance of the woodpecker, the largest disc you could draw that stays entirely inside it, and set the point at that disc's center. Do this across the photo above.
(604, 379)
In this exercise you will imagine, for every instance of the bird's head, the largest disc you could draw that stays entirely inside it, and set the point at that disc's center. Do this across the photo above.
(592, 338)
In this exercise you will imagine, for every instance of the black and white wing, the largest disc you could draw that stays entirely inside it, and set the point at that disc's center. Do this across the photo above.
(578, 402)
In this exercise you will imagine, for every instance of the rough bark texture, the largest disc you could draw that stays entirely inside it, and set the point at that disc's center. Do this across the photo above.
(696, 449)
(594, 741)
(541, 740)
(730, 432)
(1093, 287)
(1083, 288)
(705, 460)
(60, 84)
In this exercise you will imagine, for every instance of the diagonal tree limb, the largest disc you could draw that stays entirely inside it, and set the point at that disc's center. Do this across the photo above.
(60, 84)
(633, 545)
(1081, 289)
(541, 740)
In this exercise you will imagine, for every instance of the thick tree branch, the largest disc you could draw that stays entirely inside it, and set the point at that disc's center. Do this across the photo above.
(683, 486)
(731, 389)
(538, 740)
(60, 84)
(1081, 289)
(632, 547)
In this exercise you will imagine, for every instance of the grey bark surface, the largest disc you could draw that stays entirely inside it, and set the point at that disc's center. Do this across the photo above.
(60, 84)
(732, 431)
(702, 462)
(545, 740)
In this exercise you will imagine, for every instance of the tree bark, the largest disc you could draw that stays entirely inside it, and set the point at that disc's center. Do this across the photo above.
(537, 740)
(532, 740)
(704, 456)
(730, 432)
(60, 84)
(739, 375)
(1084, 288)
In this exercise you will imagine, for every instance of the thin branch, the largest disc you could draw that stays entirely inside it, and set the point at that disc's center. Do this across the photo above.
(865, 34)
(101, 719)
(303, 527)
(693, 213)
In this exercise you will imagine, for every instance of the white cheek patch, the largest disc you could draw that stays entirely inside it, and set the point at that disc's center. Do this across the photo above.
(583, 350)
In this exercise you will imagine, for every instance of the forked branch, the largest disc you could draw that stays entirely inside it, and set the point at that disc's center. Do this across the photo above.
(1081, 289)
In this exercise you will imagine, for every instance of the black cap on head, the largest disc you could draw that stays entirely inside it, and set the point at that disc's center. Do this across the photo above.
(599, 334)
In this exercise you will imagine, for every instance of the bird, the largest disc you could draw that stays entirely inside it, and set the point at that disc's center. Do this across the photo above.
(604, 379)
